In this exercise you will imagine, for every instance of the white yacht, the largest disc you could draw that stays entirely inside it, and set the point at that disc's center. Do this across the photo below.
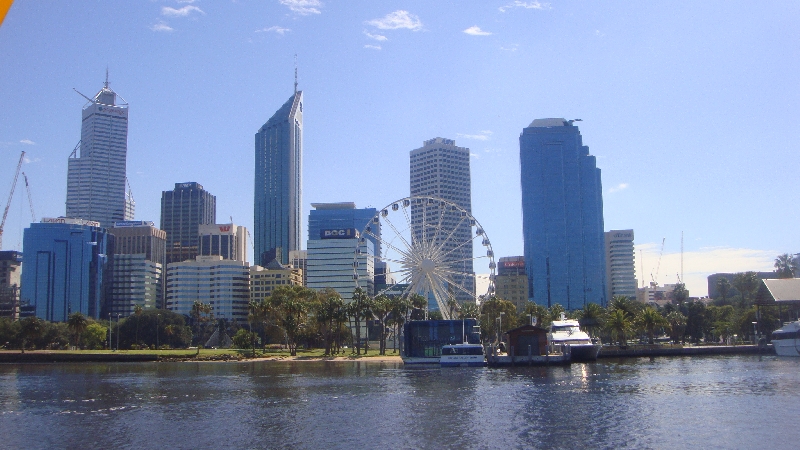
(786, 340)
(568, 331)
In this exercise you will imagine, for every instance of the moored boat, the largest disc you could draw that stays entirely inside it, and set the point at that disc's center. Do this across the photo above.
(462, 355)
(786, 340)
(568, 332)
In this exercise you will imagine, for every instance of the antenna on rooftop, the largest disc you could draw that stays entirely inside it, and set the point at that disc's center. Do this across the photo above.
(106, 83)
(295, 73)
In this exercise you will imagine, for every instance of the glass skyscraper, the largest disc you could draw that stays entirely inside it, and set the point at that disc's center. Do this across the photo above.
(64, 268)
(96, 175)
(183, 210)
(562, 216)
(279, 183)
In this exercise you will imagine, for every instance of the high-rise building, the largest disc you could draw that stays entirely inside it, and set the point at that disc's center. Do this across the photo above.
(223, 284)
(279, 183)
(298, 260)
(183, 210)
(440, 169)
(64, 270)
(10, 272)
(333, 236)
(511, 282)
(139, 264)
(562, 216)
(224, 239)
(264, 280)
(620, 264)
(96, 168)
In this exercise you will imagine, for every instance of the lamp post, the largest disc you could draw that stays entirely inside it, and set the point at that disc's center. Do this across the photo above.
(158, 320)
(118, 331)
(109, 331)
(755, 324)
(500, 328)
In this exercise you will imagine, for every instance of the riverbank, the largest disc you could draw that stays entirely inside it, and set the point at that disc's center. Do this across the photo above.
(58, 356)
(637, 351)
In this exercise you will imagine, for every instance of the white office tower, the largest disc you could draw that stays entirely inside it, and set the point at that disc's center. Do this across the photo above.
(97, 166)
(440, 169)
(223, 284)
(620, 264)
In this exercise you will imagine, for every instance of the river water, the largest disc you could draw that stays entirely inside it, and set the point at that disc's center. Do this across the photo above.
(705, 402)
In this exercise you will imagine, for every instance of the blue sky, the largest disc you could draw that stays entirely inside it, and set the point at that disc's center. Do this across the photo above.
(690, 107)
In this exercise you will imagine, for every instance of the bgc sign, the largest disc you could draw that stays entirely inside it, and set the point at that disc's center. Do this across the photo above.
(341, 233)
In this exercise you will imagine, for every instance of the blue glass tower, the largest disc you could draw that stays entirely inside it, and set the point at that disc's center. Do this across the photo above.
(562, 216)
(278, 183)
(64, 268)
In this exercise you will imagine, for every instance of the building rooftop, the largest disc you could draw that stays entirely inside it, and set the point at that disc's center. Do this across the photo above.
(544, 123)
(339, 205)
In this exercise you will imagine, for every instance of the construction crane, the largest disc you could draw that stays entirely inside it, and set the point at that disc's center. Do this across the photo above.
(30, 200)
(655, 278)
(10, 196)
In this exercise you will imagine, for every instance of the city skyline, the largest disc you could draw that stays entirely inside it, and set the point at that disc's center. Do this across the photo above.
(692, 139)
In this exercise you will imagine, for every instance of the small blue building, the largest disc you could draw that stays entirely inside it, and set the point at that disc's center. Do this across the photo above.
(64, 267)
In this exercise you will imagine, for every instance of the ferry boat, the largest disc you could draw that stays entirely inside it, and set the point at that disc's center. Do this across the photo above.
(786, 340)
(568, 332)
(462, 355)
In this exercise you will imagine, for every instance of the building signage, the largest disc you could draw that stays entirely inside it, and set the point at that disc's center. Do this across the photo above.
(508, 264)
(122, 112)
(225, 228)
(67, 220)
(341, 233)
(134, 223)
(187, 186)
(623, 235)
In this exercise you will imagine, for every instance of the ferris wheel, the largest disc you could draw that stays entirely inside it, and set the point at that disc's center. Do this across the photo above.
(424, 245)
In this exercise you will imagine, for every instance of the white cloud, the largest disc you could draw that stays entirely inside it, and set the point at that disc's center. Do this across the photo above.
(161, 26)
(599, 33)
(617, 188)
(482, 136)
(303, 7)
(510, 48)
(180, 12)
(475, 155)
(27, 141)
(697, 264)
(275, 28)
(526, 5)
(186, 1)
(377, 37)
(476, 31)
(396, 20)
(374, 47)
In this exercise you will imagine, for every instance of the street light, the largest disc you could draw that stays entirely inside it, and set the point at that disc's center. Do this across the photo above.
(500, 328)
(158, 320)
(109, 331)
(754, 332)
(118, 331)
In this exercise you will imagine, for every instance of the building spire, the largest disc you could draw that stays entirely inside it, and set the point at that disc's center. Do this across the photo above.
(295, 73)
(106, 83)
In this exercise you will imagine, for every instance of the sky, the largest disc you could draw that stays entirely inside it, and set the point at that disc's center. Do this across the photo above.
(691, 108)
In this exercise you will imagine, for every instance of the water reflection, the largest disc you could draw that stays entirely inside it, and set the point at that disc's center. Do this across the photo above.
(721, 402)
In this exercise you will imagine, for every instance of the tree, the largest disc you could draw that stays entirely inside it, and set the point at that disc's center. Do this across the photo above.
(200, 315)
(77, 324)
(490, 317)
(677, 326)
(30, 330)
(723, 288)
(400, 307)
(618, 324)
(745, 283)
(94, 338)
(326, 309)
(680, 294)
(419, 306)
(591, 318)
(381, 308)
(137, 311)
(648, 320)
(291, 305)
(244, 339)
(469, 310)
(555, 312)
(536, 311)
(785, 266)
(359, 310)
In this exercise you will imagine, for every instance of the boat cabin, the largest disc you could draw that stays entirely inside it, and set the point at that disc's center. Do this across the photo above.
(519, 339)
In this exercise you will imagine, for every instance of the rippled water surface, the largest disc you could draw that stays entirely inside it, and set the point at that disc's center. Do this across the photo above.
(709, 402)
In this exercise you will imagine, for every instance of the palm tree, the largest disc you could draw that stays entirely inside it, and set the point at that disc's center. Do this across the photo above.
(400, 307)
(591, 318)
(77, 323)
(677, 325)
(618, 323)
(647, 320)
(328, 304)
(785, 266)
(291, 304)
(419, 305)
(381, 308)
(468, 310)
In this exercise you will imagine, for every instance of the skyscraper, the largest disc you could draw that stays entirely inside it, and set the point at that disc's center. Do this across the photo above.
(138, 275)
(65, 264)
(279, 183)
(96, 174)
(440, 169)
(183, 210)
(620, 264)
(562, 216)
